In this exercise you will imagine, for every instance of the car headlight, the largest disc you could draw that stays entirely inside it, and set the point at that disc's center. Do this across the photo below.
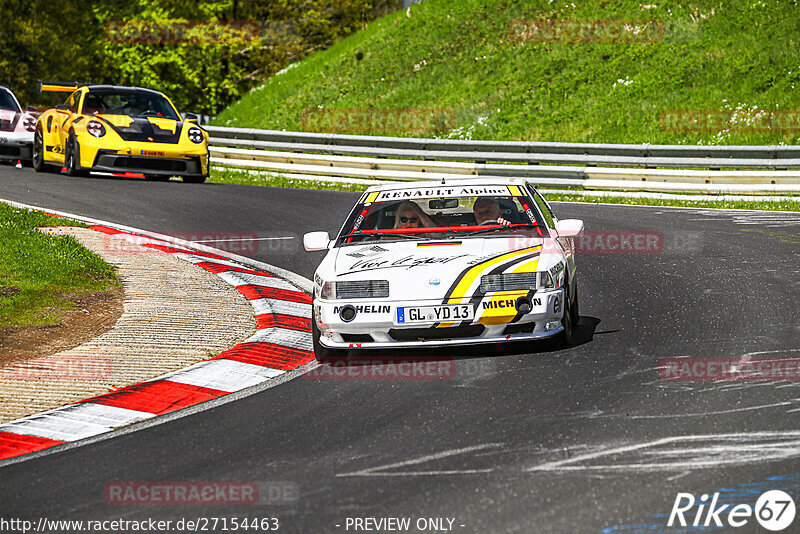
(96, 128)
(508, 282)
(195, 135)
(327, 290)
(29, 123)
(356, 289)
(520, 281)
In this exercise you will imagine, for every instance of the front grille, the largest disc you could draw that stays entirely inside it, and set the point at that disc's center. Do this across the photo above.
(152, 164)
(516, 328)
(357, 338)
(424, 334)
(362, 289)
(508, 282)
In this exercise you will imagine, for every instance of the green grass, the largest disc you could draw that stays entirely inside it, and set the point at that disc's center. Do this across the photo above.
(460, 56)
(39, 272)
(269, 179)
(243, 177)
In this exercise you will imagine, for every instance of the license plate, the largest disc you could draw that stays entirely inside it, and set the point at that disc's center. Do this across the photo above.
(425, 314)
(154, 153)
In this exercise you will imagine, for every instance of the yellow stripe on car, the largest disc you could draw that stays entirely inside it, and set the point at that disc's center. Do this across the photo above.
(470, 275)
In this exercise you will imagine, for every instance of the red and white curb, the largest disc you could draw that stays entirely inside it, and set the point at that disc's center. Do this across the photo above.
(281, 344)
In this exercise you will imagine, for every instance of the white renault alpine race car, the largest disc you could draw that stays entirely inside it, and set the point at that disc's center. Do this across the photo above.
(431, 264)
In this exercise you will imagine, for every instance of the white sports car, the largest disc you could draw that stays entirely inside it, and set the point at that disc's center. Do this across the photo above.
(16, 127)
(434, 263)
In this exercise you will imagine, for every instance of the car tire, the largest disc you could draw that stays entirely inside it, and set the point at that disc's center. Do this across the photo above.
(324, 354)
(37, 155)
(566, 338)
(195, 179)
(72, 157)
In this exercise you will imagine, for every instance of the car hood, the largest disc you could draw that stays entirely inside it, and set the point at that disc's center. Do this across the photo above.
(429, 269)
(144, 129)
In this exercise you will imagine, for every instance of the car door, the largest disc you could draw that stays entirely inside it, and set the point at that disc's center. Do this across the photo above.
(62, 122)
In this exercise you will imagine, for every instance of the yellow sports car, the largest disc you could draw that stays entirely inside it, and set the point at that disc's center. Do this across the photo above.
(113, 129)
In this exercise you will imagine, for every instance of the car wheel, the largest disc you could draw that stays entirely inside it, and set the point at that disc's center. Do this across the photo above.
(566, 338)
(72, 157)
(38, 150)
(576, 314)
(194, 179)
(322, 353)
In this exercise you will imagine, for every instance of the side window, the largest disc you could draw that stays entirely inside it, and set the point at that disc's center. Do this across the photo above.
(544, 208)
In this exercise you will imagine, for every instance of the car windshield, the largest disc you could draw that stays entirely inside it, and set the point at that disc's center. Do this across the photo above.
(424, 214)
(7, 101)
(131, 103)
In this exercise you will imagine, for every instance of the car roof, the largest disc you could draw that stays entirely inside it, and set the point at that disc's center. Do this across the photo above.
(469, 182)
(121, 88)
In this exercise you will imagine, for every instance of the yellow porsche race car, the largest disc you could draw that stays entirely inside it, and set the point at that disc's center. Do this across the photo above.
(113, 129)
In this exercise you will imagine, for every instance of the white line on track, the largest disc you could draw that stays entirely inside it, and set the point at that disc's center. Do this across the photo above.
(378, 471)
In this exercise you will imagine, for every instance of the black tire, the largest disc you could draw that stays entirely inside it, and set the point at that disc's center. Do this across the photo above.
(194, 179)
(566, 338)
(72, 157)
(39, 164)
(156, 177)
(575, 307)
(324, 354)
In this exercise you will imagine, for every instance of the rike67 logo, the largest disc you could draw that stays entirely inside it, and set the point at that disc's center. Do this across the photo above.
(774, 510)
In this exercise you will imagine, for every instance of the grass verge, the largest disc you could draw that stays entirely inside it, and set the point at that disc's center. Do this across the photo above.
(271, 179)
(720, 73)
(39, 273)
(242, 177)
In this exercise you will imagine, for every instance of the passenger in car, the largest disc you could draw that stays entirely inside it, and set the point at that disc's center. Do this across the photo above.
(410, 215)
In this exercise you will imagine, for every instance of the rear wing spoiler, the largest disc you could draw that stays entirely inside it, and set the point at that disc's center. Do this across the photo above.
(59, 87)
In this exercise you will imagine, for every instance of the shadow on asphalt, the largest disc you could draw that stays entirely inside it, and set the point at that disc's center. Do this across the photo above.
(587, 326)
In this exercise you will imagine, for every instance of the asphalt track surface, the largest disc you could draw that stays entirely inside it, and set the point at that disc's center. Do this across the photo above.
(527, 439)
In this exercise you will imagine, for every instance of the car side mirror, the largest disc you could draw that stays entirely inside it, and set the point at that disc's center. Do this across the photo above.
(63, 108)
(190, 117)
(31, 109)
(316, 241)
(569, 227)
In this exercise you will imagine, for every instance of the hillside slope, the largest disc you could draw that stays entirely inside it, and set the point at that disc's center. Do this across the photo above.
(718, 63)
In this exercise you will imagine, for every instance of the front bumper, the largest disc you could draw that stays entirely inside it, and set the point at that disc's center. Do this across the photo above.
(118, 163)
(16, 145)
(376, 325)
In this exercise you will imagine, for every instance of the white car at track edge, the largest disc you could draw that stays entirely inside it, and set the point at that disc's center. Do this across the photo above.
(16, 127)
(455, 263)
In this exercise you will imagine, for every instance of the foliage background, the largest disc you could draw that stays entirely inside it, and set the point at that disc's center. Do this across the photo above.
(66, 41)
